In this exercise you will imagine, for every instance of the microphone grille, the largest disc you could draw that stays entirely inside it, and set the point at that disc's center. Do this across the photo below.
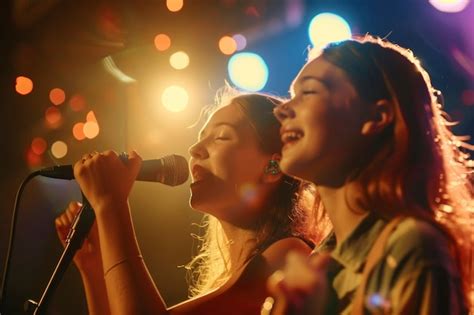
(176, 170)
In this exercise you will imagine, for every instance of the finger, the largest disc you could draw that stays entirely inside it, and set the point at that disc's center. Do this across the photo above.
(134, 162)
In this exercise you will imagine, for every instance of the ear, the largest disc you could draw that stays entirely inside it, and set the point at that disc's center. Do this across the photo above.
(272, 172)
(380, 116)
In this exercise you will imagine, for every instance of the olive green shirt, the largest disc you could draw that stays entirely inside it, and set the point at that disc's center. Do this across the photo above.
(416, 275)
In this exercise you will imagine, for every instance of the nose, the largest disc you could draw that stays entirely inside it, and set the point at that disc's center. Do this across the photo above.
(283, 111)
(197, 151)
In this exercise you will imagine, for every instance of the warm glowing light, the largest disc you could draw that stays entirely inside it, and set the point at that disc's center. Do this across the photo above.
(179, 60)
(57, 96)
(227, 45)
(162, 42)
(91, 116)
(38, 145)
(241, 41)
(59, 149)
(449, 6)
(174, 5)
(23, 85)
(175, 98)
(32, 158)
(78, 131)
(248, 71)
(326, 28)
(91, 129)
(53, 117)
(77, 102)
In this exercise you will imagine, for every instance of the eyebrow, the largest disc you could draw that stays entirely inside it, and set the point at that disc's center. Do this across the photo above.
(218, 124)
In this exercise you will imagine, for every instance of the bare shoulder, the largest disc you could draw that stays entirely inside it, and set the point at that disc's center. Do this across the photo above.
(275, 254)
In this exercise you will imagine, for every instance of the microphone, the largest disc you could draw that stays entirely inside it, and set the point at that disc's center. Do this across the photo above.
(170, 170)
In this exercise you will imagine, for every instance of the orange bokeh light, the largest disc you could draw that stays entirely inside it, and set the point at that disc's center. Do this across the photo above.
(91, 116)
(57, 96)
(227, 45)
(174, 5)
(53, 117)
(77, 102)
(78, 131)
(23, 85)
(162, 42)
(38, 145)
(91, 129)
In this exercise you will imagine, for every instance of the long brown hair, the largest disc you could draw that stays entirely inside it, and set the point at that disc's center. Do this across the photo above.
(417, 167)
(285, 215)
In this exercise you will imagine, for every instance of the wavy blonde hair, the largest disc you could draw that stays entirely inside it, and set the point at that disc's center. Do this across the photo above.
(417, 167)
(286, 213)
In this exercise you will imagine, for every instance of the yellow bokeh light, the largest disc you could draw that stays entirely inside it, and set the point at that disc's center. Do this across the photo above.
(23, 85)
(91, 129)
(175, 98)
(227, 45)
(162, 42)
(179, 60)
(174, 5)
(91, 116)
(59, 149)
(57, 96)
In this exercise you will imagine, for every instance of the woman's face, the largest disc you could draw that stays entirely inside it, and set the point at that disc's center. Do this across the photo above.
(227, 166)
(321, 125)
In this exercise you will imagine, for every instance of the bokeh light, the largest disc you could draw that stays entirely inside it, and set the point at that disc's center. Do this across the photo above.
(179, 60)
(227, 45)
(174, 5)
(467, 97)
(91, 116)
(24, 85)
(78, 131)
(91, 129)
(32, 158)
(77, 102)
(59, 149)
(57, 96)
(449, 6)
(326, 28)
(175, 98)
(38, 145)
(53, 117)
(162, 42)
(248, 71)
(241, 41)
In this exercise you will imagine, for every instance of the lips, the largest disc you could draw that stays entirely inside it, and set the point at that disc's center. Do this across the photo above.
(199, 173)
(289, 136)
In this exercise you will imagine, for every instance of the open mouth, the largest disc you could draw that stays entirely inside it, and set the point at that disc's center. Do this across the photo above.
(291, 136)
(199, 173)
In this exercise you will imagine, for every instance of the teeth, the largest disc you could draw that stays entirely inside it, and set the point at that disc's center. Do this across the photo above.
(291, 136)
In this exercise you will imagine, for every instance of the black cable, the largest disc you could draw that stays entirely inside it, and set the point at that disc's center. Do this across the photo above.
(10, 241)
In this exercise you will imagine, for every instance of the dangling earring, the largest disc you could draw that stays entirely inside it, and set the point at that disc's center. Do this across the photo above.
(272, 168)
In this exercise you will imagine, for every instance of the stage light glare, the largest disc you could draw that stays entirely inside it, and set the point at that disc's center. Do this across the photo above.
(174, 5)
(77, 102)
(326, 28)
(248, 71)
(175, 98)
(53, 117)
(59, 149)
(241, 41)
(179, 60)
(162, 42)
(38, 145)
(91, 129)
(449, 6)
(227, 45)
(78, 131)
(57, 96)
(24, 85)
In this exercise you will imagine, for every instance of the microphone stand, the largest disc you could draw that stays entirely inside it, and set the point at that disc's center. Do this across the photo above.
(78, 232)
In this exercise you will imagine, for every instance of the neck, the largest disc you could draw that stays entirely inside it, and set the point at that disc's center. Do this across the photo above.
(342, 209)
(241, 244)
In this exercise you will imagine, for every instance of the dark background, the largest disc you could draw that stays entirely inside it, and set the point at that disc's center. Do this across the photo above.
(61, 44)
